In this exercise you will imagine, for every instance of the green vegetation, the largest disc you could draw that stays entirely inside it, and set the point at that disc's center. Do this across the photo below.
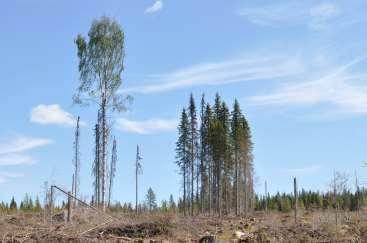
(217, 157)
(308, 200)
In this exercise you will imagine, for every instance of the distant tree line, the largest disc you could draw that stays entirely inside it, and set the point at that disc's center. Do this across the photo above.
(27, 205)
(307, 200)
(215, 159)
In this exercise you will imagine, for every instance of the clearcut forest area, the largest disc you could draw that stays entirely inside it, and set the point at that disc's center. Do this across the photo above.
(224, 167)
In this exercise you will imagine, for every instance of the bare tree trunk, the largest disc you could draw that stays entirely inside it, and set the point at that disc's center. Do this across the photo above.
(76, 160)
(202, 187)
(266, 197)
(104, 150)
(336, 205)
(236, 181)
(136, 186)
(184, 187)
(51, 203)
(357, 191)
(110, 190)
(245, 187)
(219, 192)
(69, 206)
(197, 187)
(137, 168)
(210, 187)
(192, 175)
(72, 187)
(97, 166)
(295, 200)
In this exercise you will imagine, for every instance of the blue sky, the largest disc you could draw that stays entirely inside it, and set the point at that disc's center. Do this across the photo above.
(298, 69)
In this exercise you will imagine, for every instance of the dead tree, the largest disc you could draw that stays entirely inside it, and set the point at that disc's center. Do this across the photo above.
(295, 199)
(112, 170)
(69, 207)
(138, 170)
(96, 167)
(266, 197)
(76, 160)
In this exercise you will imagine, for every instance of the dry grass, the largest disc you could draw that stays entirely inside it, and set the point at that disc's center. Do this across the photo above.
(87, 226)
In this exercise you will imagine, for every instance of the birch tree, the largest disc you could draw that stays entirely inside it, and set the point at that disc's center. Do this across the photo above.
(101, 62)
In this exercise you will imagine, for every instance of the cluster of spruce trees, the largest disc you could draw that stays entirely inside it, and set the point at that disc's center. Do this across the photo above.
(214, 155)
(27, 205)
(309, 200)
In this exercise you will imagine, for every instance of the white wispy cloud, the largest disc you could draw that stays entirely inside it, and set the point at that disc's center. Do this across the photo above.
(323, 13)
(146, 126)
(304, 170)
(16, 159)
(12, 153)
(52, 114)
(11, 174)
(4, 176)
(275, 15)
(22, 144)
(219, 73)
(342, 90)
(157, 6)
(294, 13)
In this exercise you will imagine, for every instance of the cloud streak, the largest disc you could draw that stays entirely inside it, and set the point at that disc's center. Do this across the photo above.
(16, 159)
(156, 7)
(322, 14)
(22, 144)
(149, 126)
(4, 176)
(12, 153)
(52, 114)
(220, 73)
(316, 16)
(341, 90)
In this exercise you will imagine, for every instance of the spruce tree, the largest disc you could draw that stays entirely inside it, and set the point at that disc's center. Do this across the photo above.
(37, 205)
(193, 136)
(183, 154)
(151, 199)
(219, 156)
(172, 204)
(236, 139)
(247, 165)
(207, 155)
(203, 169)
